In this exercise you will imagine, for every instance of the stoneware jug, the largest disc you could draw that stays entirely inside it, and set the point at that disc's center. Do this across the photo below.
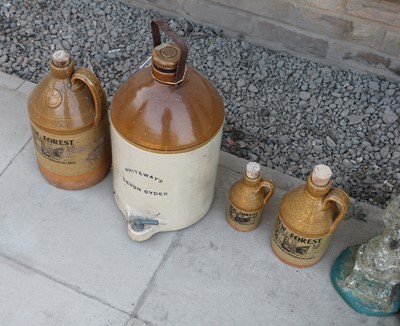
(68, 115)
(247, 199)
(166, 127)
(308, 216)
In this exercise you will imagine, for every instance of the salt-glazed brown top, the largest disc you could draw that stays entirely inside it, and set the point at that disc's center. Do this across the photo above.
(312, 210)
(158, 116)
(58, 105)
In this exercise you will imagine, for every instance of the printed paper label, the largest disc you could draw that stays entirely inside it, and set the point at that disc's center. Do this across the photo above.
(295, 248)
(73, 154)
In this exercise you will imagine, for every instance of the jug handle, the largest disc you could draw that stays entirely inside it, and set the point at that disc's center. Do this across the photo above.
(159, 24)
(265, 183)
(99, 97)
(342, 199)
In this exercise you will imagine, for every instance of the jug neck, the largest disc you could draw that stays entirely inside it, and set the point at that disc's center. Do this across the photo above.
(249, 182)
(165, 62)
(61, 65)
(317, 191)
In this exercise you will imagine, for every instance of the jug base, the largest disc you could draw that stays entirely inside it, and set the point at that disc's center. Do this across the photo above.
(76, 182)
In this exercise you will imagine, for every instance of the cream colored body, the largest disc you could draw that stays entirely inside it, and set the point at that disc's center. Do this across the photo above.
(177, 189)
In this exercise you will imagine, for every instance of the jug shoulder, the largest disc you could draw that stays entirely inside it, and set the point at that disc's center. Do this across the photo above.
(165, 117)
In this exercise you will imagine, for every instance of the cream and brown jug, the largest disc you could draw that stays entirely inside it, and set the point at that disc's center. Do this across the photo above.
(68, 115)
(166, 128)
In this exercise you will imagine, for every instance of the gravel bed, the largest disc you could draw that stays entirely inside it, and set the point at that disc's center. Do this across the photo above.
(285, 112)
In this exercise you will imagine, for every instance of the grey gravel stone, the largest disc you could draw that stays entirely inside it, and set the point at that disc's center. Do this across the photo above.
(304, 95)
(370, 110)
(347, 164)
(355, 119)
(330, 142)
(373, 85)
(384, 151)
(294, 156)
(240, 83)
(345, 113)
(318, 149)
(253, 89)
(3, 59)
(389, 116)
(227, 62)
(390, 92)
(284, 139)
(313, 102)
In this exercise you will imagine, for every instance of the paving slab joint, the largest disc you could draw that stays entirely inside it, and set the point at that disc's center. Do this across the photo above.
(72, 287)
(15, 156)
(143, 297)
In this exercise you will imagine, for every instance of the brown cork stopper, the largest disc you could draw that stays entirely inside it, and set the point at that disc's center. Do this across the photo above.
(253, 170)
(61, 58)
(321, 175)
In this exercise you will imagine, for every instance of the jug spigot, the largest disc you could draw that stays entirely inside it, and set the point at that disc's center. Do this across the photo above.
(138, 223)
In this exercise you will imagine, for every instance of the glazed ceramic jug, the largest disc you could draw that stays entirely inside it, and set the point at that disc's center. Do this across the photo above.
(68, 115)
(166, 127)
(247, 199)
(308, 216)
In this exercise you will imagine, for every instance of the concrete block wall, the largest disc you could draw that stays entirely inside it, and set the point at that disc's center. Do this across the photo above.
(359, 34)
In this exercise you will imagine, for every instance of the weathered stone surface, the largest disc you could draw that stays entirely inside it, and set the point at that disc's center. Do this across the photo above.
(294, 40)
(391, 42)
(366, 33)
(271, 24)
(213, 13)
(323, 22)
(167, 5)
(282, 10)
(385, 11)
(369, 58)
(333, 5)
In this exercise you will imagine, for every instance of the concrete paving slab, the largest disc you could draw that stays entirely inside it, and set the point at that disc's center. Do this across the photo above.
(63, 249)
(14, 123)
(216, 275)
(28, 298)
(78, 238)
(9, 82)
(26, 88)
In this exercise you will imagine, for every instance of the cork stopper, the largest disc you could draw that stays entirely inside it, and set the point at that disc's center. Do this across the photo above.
(321, 175)
(253, 170)
(165, 60)
(61, 58)
(166, 56)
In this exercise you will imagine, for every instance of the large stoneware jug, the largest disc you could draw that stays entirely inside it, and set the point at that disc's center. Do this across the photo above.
(166, 127)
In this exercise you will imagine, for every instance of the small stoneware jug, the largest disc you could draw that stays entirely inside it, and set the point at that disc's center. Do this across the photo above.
(68, 116)
(247, 199)
(308, 216)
